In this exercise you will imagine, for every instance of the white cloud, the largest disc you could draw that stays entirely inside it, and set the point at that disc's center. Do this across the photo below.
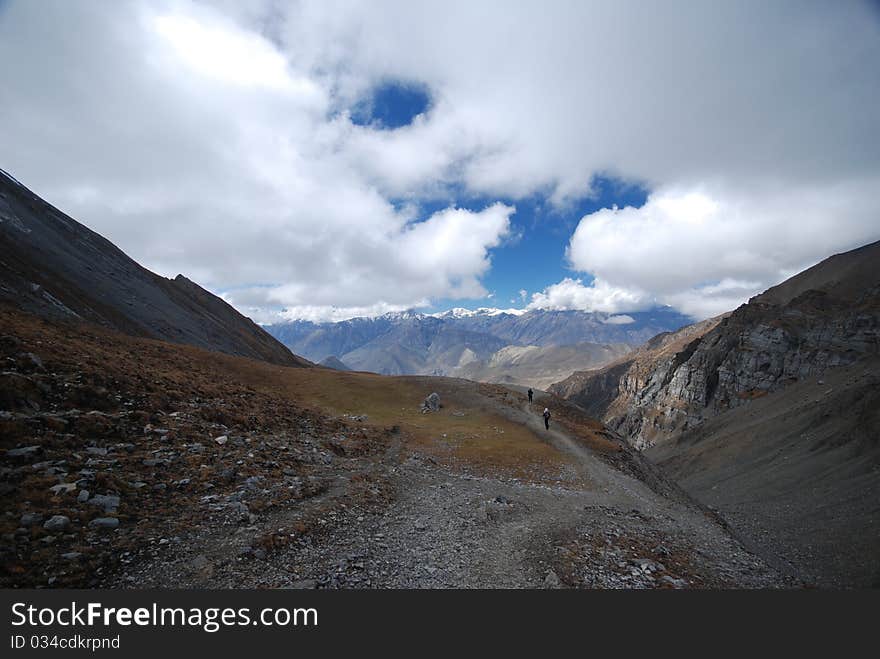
(214, 139)
(622, 319)
(598, 296)
(707, 250)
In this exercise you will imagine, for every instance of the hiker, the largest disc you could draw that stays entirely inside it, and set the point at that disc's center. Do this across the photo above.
(547, 418)
(531, 393)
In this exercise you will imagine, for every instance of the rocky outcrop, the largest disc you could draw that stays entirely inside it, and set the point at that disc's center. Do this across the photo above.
(678, 380)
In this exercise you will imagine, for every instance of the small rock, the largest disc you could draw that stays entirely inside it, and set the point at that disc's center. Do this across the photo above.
(551, 580)
(71, 556)
(57, 523)
(108, 523)
(62, 488)
(222, 439)
(30, 519)
(24, 452)
(675, 583)
(83, 496)
(304, 584)
(108, 502)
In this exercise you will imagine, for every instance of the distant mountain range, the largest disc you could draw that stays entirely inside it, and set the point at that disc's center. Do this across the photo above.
(53, 266)
(477, 344)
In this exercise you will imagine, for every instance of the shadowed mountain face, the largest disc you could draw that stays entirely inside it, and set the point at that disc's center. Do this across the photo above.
(825, 317)
(477, 344)
(56, 267)
(769, 415)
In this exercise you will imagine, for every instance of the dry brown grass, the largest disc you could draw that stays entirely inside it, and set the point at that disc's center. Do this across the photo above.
(471, 429)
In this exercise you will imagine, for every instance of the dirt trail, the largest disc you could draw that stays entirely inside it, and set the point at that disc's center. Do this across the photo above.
(444, 527)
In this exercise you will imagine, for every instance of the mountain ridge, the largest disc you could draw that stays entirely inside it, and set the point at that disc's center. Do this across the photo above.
(411, 343)
(55, 266)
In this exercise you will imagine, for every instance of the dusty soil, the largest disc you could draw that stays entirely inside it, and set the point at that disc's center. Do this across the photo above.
(226, 472)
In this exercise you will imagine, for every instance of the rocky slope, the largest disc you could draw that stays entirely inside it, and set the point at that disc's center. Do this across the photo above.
(770, 416)
(54, 266)
(796, 473)
(826, 317)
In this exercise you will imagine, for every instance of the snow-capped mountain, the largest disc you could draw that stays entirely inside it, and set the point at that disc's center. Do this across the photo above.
(410, 343)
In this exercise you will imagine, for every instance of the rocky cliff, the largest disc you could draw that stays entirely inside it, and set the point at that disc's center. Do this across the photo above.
(827, 316)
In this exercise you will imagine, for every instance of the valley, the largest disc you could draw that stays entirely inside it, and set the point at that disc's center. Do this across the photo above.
(154, 437)
(227, 472)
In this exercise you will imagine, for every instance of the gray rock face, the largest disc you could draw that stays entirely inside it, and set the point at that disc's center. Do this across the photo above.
(675, 384)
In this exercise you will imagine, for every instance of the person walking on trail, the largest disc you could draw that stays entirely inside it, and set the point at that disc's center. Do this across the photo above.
(546, 418)
(531, 393)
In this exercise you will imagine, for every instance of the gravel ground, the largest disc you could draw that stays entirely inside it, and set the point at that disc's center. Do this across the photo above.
(407, 522)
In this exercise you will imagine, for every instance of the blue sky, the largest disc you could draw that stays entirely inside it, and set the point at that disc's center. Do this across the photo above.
(533, 257)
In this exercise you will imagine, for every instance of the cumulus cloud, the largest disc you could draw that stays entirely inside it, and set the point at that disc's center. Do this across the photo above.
(215, 139)
(599, 295)
(706, 250)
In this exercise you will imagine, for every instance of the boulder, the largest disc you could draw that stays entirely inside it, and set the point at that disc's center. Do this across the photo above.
(431, 403)
(108, 502)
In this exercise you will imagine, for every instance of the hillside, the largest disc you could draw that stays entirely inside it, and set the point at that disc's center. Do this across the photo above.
(54, 266)
(796, 473)
(769, 415)
(676, 381)
(135, 463)
(334, 363)
(537, 366)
